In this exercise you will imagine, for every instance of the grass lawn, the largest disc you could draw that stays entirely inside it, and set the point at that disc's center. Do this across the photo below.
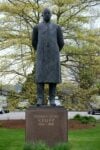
(85, 139)
(11, 139)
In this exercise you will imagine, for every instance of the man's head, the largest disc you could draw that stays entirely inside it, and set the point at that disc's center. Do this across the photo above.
(46, 15)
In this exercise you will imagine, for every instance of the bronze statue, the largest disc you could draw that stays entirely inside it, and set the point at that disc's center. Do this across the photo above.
(47, 40)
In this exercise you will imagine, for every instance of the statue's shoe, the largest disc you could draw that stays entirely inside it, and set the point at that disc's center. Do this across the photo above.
(39, 102)
(52, 103)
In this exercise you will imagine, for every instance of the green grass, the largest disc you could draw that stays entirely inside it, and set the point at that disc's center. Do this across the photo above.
(11, 139)
(85, 139)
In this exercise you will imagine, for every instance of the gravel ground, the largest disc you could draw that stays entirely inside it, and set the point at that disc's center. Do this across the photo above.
(21, 115)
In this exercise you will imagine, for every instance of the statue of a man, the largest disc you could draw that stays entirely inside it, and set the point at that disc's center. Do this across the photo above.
(47, 40)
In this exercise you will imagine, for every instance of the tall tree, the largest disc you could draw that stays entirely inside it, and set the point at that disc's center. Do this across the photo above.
(82, 44)
(16, 22)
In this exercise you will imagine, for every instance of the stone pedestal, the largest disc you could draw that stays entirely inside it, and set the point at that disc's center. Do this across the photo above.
(47, 124)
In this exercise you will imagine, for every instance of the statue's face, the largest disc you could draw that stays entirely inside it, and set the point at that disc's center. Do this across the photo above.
(46, 15)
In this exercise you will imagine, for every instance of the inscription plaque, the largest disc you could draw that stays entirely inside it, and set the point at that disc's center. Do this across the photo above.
(45, 120)
(47, 124)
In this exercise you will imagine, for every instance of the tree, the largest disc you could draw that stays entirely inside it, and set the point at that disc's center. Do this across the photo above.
(29, 89)
(18, 18)
(82, 44)
(75, 98)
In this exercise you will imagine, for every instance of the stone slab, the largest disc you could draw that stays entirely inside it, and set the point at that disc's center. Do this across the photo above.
(47, 124)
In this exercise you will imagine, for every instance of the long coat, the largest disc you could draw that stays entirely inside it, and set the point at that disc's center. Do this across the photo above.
(47, 40)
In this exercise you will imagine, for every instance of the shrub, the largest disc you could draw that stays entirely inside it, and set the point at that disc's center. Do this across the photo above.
(77, 117)
(28, 147)
(43, 146)
(61, 146)
(36, 146)
(92, 119)
(85, 119)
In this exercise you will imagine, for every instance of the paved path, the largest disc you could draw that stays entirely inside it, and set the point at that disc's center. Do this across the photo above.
(12, 115)
(21, 115)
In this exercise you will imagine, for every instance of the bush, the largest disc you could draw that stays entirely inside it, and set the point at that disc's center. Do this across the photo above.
(92, 119)
(85, 119)
(77, 117)
(28, 147)
(43, 146)
(61, 146)
(36, 146)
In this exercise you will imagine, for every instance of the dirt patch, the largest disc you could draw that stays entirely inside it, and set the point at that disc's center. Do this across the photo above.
(12, 123)
(75, 124)
(72, 124)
